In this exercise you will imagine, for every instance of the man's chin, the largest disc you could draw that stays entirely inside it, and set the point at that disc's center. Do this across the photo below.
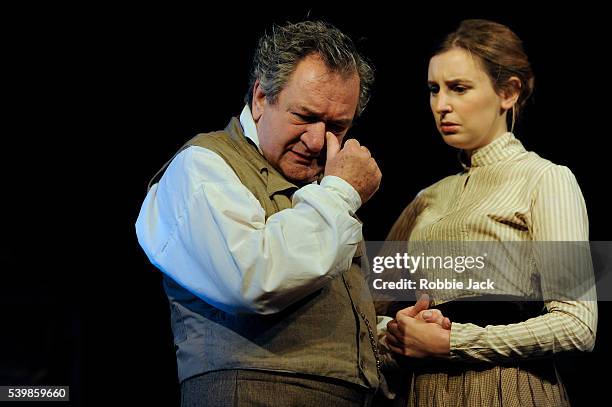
(302, 176)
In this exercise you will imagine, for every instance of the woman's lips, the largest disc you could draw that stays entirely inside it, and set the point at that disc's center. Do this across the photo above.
(449, 128)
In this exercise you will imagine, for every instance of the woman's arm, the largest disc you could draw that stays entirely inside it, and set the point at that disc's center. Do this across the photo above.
(558, 214)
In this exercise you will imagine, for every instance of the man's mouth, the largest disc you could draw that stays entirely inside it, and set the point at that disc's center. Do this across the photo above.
(303, 158)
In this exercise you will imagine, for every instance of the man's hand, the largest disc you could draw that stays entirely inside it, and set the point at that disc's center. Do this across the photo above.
(354, 164)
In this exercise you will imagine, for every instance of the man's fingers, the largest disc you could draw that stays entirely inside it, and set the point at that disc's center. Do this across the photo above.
(352, 143)
(333, 145)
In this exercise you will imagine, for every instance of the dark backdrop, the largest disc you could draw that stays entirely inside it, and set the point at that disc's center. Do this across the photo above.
(99, 99)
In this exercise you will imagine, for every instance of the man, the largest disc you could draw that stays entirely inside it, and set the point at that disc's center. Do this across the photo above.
(255, 231)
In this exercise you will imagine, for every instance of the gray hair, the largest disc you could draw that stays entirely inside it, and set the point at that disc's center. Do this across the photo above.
(279, 52)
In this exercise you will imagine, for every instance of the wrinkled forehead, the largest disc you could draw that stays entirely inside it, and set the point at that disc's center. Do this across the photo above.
(456, 63)
(313, 74)
(314, 86)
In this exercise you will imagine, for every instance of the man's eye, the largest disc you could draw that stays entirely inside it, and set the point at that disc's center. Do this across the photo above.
(303, 118)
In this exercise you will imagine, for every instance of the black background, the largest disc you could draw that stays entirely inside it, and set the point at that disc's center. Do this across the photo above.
(97, 99)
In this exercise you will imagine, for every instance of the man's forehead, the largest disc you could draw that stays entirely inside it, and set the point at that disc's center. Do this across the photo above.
(318, 76)
(317, 91)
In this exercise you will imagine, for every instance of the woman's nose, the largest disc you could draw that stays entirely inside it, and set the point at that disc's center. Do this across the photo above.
(441, 104)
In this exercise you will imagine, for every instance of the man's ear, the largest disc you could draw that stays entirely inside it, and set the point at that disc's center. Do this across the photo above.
(259, 101)
(511, 93)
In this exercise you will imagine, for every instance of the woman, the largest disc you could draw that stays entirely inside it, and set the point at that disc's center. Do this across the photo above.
(479, 80)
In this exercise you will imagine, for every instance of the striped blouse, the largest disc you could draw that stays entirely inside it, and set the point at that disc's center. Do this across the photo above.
(507, 194)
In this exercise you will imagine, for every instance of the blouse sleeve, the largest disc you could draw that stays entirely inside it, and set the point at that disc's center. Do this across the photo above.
(558, 213)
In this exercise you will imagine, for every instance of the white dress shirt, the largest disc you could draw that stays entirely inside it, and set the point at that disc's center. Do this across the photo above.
(203, 228)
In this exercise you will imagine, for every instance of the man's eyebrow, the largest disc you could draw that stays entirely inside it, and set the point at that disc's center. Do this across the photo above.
(311, 113)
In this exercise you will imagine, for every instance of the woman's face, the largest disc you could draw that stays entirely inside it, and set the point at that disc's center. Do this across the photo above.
(468, 112)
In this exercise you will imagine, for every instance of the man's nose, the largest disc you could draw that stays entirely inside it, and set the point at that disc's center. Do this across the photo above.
(314, 137)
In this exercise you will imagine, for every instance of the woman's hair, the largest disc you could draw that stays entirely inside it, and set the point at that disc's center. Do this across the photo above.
(280, 51)
(501, 53)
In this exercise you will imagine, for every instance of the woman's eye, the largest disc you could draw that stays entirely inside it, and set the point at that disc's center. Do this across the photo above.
(459, 89)
(434, 89)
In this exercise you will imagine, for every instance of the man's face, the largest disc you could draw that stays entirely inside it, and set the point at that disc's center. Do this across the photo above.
(292, 130)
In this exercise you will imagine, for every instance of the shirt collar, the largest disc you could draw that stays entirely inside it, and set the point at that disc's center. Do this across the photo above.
(501, 149)
(276, 183)
(248, 126)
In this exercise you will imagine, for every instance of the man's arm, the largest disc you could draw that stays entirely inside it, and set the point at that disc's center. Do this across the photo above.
(207, 231)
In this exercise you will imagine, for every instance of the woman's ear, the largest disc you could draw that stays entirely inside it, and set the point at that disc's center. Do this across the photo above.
(259, 100)
(510, 93)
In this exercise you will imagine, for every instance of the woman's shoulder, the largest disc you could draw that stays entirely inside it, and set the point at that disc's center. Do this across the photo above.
(542, 170)
(532, 163)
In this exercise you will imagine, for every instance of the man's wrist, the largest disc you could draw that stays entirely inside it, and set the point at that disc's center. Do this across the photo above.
(346, 191)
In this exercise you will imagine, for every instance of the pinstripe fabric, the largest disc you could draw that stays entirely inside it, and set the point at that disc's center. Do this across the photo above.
(506, 194)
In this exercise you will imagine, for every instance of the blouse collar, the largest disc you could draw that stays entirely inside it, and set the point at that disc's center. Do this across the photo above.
(501, 149)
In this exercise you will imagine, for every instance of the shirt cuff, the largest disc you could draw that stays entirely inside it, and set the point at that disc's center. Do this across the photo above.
(455, 339)
(344, 189)
(465, 342)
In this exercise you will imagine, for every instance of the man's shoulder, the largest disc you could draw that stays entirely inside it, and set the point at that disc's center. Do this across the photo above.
(220, 142)
(210, 140)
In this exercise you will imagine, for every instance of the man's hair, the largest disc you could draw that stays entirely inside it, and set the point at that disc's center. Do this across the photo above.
(279, 52)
